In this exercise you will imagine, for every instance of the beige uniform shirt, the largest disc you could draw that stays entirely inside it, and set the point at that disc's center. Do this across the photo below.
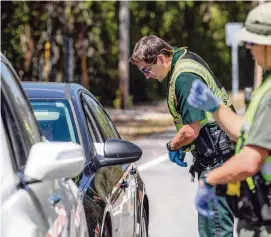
(260, 131)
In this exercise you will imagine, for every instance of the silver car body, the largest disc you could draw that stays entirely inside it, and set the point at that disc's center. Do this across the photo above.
(49, 207)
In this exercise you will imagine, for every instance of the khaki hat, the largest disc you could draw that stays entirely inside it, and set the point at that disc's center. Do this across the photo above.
(257, 28)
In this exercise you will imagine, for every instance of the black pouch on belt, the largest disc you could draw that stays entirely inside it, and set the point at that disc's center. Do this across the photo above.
(213, 142)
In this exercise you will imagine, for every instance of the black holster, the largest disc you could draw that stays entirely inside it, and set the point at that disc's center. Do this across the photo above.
(213, 142)
(212, 146)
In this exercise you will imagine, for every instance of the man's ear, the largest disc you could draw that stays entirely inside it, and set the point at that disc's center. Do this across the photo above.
(160, 58)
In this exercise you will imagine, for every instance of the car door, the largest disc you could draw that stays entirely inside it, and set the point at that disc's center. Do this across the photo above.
(43, 208)
(29, 201)
(17, 207)
(60, 128)
(105, 180)
(120, 181)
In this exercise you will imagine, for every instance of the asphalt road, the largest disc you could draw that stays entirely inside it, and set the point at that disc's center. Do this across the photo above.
(169, 187)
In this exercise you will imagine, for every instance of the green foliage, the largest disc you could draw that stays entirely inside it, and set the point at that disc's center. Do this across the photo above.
(94, 28)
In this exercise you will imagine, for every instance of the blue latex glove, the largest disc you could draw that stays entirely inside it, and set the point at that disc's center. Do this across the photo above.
(176, 156)
(206, 199)
(202, 97)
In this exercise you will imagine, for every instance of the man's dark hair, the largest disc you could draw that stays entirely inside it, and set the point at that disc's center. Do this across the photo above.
(148, 47)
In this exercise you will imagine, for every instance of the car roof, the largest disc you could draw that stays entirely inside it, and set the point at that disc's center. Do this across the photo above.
(49, 90)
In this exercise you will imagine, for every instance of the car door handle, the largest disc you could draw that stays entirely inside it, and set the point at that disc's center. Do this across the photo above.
(124, 184)
(54, 198)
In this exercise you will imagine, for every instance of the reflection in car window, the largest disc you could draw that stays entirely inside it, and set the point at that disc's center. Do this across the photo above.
(100, 117)
(55, 120)
(113, 127)
(19, 102)
(106, 179)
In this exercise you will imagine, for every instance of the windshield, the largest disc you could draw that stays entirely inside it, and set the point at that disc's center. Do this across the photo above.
(55, 120)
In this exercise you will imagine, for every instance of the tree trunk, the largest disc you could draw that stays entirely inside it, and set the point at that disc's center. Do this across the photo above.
(124, 17)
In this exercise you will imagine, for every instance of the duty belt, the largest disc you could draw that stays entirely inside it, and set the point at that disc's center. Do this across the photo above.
(212, 161)
(200, 164)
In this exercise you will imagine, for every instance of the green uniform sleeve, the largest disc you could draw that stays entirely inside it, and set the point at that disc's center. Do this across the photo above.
(183, 85)
(260, 131)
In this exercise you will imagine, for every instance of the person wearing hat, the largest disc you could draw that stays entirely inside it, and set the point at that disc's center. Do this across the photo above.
(248, 173)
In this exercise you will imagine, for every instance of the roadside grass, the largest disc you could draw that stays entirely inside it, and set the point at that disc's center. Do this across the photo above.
(136, 129)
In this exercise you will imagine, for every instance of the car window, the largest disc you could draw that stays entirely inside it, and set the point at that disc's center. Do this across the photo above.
(55, 120)
(114, 129)
(106, 122)
(101, 117)
(93, 128)
(19, 105)
(18, 149)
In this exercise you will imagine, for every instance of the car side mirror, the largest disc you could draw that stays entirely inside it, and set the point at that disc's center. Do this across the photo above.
(117, 152)
(54, 160)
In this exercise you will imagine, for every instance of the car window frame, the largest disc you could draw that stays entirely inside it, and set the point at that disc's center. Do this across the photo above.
(11, 139)
(93, 100)
(27, 113)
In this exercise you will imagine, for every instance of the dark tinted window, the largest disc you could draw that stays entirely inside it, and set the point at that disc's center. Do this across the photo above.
(113, 127)
(93, 127)
(101, 117)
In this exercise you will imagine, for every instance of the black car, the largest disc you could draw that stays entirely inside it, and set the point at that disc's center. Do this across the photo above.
(113, 192)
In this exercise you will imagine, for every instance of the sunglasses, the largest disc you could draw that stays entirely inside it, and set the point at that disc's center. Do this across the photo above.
(148, 69)
(250, 44)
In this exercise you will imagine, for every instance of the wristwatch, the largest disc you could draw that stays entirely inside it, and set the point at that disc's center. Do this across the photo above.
(169, 147)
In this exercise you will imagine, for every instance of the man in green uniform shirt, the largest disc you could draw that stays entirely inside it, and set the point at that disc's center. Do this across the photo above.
(196, 130)
(248, 173)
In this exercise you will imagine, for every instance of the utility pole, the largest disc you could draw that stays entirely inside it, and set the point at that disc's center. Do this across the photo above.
(68, 47)
(124, 17)
(235, 69)
(231, 29)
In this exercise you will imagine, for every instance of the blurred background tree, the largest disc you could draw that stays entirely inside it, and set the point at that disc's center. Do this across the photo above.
(79, 41)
